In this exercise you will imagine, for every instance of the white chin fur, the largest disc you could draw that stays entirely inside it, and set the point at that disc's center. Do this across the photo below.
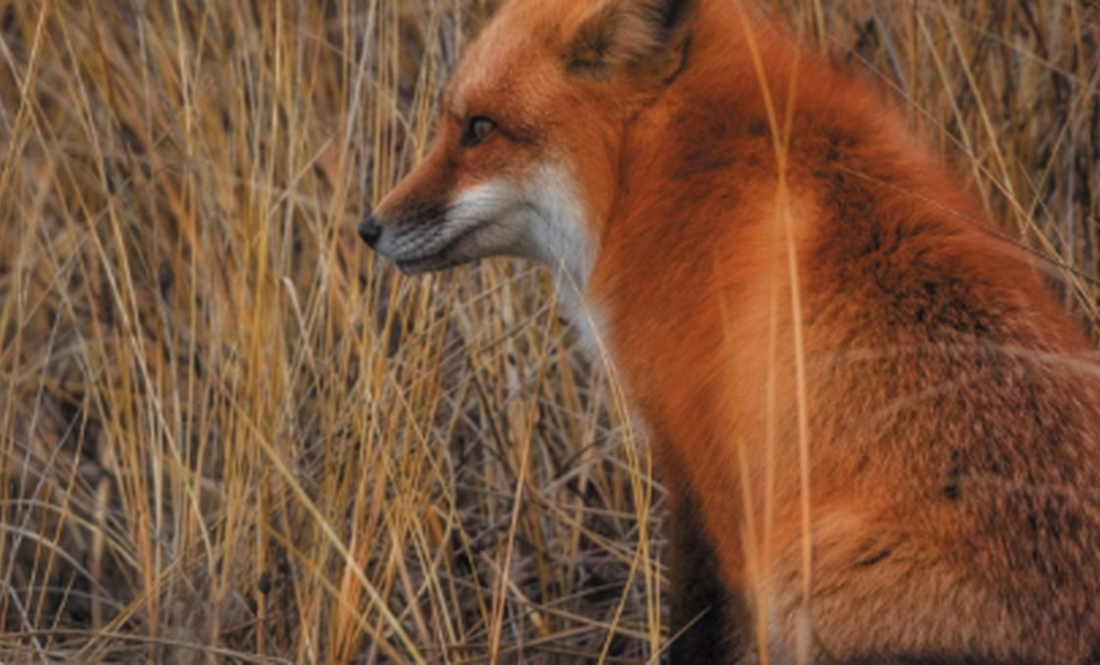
(549, 226)
(541, 219)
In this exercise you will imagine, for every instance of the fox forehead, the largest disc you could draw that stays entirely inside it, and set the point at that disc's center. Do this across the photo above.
(516, 58)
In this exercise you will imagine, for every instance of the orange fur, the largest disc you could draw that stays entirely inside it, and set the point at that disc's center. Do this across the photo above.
(954, 426)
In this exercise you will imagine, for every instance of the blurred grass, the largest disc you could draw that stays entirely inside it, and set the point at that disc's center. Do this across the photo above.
(226, 435)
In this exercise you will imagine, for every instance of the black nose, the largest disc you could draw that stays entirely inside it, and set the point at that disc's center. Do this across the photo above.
(369, 231)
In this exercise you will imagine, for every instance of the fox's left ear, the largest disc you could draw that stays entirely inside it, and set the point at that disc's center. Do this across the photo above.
(647, 37)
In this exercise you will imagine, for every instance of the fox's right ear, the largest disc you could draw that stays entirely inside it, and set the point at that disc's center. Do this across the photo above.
(645, 37)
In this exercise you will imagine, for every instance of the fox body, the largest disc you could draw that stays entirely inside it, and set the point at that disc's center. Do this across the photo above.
(853, 386)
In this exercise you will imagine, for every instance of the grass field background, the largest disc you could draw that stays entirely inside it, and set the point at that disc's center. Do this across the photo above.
(228, 434)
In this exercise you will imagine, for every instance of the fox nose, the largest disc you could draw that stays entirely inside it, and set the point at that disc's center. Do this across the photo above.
(369, 231)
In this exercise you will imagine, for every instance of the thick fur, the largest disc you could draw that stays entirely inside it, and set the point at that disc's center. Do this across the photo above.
(951, 403)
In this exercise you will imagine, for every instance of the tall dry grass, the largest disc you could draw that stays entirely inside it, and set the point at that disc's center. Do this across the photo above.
(227, 435)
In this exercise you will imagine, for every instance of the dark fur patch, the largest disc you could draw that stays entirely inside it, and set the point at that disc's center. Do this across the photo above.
(872, 559)
(704, 612)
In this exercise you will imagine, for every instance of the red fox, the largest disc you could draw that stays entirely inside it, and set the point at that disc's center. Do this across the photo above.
(880, 431)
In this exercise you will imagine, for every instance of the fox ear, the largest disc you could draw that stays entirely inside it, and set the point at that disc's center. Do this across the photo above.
(637, 36)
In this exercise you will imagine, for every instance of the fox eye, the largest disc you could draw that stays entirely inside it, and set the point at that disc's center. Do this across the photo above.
(477, 131)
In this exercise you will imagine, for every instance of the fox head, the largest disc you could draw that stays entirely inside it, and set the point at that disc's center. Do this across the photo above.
(527, 145)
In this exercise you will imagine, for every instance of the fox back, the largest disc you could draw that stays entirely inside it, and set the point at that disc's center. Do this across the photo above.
(879, 430)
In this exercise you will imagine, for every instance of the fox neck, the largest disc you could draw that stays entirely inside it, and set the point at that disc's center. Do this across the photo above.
(594, 206)
(561, 236)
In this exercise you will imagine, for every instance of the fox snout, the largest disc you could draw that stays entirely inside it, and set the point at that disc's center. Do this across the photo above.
(537, 217)
(421, 236)
(416, 237)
